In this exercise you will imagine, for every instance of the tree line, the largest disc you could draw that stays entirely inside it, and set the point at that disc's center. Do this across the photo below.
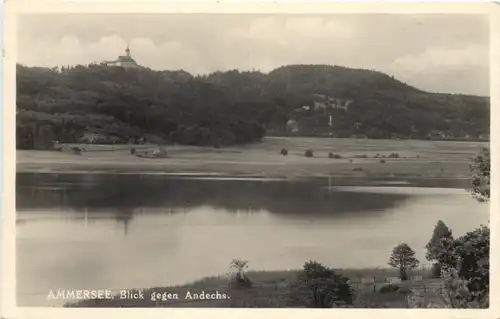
(233, 107)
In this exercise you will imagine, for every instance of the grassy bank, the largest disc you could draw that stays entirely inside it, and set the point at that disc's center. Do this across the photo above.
(358, 158)
(271, 289)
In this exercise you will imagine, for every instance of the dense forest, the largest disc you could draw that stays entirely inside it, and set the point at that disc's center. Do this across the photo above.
(119, 105)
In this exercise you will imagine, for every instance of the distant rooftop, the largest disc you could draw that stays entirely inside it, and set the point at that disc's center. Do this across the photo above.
(125, 58)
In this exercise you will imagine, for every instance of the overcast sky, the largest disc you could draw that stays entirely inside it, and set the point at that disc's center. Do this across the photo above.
(439, 53)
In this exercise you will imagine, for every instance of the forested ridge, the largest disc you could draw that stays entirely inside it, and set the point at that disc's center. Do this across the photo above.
(233, 107)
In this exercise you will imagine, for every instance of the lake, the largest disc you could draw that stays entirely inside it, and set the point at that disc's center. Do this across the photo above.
(111, 231)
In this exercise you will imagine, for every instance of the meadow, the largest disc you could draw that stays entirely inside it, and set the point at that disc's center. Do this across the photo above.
(271, 289)
(356, 157)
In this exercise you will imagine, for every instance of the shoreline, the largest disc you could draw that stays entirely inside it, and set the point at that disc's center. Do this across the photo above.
(454, 182)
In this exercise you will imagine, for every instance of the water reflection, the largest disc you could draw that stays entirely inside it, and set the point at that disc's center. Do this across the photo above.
(127, 195)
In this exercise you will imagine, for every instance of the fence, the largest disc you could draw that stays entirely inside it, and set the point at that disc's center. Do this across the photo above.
(415, 283)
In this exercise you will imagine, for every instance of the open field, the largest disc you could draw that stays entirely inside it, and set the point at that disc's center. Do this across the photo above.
(423, 159)
(272, 289)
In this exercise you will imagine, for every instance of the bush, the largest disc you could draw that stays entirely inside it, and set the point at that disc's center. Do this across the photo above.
(377, 155)
(132, 151)
(336, 156)
(382, 161)
(309, 153)
(357, 169)
(458, 293)
(315, 270)
(388, 289)
(318, 286)
(330, 155)
(284, 152)
(394, 155)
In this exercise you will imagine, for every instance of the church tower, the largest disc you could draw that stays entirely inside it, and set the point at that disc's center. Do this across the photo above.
(127, 50)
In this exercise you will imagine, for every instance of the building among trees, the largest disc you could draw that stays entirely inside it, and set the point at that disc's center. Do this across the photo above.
(124, 61)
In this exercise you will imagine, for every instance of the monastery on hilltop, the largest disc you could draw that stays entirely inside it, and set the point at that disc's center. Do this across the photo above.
(124, 61)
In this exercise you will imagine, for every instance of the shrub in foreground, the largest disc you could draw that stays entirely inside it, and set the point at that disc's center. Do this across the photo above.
(309, 153)
(318, 286)
(284, 152)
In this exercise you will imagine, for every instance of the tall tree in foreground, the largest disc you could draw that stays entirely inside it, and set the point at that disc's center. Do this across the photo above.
(466, 260)
(435, 245)
(403, 258)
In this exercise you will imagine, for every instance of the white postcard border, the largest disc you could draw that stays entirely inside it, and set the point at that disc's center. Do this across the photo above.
(12, 8)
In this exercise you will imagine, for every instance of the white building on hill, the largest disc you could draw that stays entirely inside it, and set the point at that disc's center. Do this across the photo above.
(124, 61)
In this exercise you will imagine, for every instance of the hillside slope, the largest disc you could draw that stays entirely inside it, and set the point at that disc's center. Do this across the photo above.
(233, 107)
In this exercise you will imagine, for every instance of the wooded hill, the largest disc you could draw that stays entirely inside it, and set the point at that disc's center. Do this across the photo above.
(225, 108)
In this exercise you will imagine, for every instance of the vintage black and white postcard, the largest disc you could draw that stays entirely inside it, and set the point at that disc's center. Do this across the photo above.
(252, 155)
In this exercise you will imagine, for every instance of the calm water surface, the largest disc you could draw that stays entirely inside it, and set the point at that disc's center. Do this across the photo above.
(136, 231)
